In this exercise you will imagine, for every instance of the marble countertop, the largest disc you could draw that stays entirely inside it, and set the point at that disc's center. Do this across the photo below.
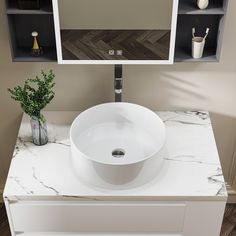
(191, 169)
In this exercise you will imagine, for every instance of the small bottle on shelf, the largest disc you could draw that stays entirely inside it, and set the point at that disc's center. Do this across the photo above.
(36, 50)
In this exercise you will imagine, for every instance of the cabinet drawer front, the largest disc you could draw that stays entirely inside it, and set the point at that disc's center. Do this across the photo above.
(97, 217)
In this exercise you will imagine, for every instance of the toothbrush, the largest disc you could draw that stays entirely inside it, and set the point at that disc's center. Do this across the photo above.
(207, 31)
(193, 32)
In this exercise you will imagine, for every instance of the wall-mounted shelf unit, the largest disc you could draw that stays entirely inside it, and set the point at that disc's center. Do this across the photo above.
(22, 23)
(190, 16)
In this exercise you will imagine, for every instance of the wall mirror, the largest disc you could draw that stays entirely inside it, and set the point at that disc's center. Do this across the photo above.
(115, 32)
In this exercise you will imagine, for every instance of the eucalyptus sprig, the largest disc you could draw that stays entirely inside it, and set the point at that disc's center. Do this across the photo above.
(35, 94)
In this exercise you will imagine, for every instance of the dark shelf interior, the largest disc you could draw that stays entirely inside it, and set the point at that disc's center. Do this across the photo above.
(184, 55)
(190, 7)
(45, 8)
(184, 36)
(21, 27)
(23, 54)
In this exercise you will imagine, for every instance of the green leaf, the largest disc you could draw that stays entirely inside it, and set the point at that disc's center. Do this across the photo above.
(35, 94)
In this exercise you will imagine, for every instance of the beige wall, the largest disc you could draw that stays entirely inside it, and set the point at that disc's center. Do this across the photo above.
(178, 87)
(113, 14)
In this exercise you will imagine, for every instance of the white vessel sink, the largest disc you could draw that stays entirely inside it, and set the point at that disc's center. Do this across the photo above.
(116, 144)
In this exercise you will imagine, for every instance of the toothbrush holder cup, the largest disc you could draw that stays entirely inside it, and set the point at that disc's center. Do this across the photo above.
(198, 44)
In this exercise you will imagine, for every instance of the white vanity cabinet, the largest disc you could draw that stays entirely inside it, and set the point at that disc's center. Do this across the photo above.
(44, 197)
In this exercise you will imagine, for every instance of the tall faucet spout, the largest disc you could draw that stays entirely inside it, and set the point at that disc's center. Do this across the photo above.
(118, 83)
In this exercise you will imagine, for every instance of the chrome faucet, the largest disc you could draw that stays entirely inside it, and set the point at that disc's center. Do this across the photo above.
(118, 83)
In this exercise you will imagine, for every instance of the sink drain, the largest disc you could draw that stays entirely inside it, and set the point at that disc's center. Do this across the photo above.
(118, 153)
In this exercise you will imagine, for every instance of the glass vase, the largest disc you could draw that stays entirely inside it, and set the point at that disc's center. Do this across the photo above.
(39, 130)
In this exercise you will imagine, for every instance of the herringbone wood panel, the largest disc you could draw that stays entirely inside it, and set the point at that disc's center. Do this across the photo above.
(228, 227)
(96, 44)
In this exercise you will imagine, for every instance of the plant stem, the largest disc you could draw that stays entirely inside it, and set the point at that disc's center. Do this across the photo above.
(40, 136)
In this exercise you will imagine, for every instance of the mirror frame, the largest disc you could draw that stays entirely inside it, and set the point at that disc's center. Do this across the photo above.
(114, 62)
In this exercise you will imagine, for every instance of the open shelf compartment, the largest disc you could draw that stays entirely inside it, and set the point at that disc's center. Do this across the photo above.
(184, 37)
(216, 7)
(45, 8)
(21, 27)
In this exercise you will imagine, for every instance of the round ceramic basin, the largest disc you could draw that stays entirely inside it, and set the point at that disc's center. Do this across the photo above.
(117, 143)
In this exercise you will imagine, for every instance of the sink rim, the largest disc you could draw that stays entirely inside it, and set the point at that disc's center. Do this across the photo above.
(83, 155)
